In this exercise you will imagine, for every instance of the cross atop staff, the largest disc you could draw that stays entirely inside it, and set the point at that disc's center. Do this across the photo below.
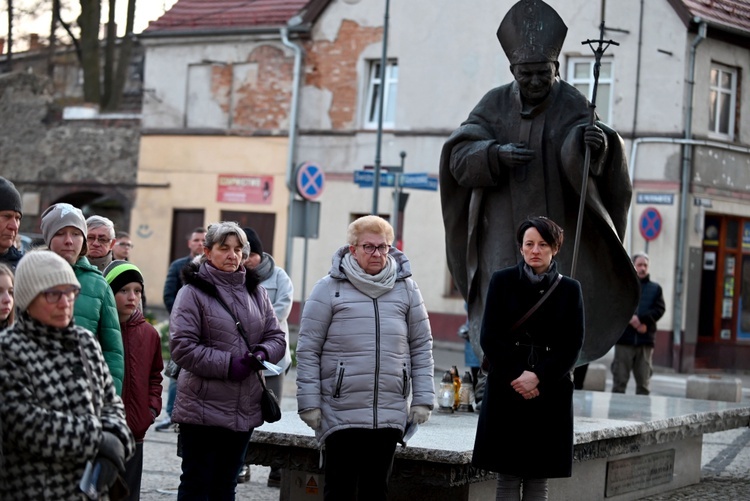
(601, 46)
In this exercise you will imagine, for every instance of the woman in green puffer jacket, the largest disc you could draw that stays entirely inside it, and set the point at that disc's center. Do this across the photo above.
(64, 231)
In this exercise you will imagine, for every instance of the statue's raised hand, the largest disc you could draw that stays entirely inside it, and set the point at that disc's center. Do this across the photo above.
(514, 154)
(593, 136)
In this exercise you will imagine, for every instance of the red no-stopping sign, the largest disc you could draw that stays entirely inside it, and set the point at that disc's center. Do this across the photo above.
(650, 224)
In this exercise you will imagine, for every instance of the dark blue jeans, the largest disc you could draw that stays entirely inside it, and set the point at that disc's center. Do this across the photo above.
(358, 464)
(211, 460)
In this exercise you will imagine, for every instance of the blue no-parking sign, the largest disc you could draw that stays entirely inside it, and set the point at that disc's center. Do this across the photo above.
(310, 181)
(650, 224)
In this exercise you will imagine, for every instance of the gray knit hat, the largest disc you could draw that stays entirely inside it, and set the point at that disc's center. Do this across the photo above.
(10, 199)
(38, 271)
(58, 216)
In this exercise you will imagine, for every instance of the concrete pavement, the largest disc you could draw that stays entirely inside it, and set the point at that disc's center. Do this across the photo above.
(725, 461)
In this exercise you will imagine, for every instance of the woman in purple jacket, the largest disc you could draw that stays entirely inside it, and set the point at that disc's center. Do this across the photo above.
(218, 396)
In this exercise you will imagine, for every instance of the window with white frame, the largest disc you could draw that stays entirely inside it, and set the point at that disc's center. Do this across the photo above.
(722, 100)
(581, 76)
(389, 94)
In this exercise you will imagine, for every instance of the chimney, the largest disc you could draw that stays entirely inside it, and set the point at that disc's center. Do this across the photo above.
(34, 42)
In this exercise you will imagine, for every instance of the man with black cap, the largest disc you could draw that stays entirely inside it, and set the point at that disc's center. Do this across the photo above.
(519, 154)
(10, 220)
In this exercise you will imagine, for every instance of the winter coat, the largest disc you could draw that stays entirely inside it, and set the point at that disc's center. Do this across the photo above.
(141, 389)
(360, 359)
(173, 283)
(529, 438)
(650, 309)
(95, 310)
(53, 414)
(280, 291)
(204, 339)
(11, 257)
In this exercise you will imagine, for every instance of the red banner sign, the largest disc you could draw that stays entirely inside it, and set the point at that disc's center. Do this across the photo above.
(239, 189)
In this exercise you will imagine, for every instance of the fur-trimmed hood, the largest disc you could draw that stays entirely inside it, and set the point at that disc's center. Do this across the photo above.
(190, 276)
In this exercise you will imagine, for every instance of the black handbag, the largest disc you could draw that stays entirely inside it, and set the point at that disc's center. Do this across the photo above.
(269, 403)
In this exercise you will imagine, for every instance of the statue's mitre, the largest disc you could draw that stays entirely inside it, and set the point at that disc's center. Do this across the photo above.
(532, 32)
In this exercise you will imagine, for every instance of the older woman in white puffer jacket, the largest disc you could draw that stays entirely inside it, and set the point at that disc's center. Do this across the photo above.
(364, 360)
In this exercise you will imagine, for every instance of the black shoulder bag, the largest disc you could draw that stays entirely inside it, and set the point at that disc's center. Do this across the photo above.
(269, 403)
(485, 362)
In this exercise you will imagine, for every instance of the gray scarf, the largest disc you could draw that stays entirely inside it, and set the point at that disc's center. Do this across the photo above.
(534, 278)
(265, 267)
(372, 286)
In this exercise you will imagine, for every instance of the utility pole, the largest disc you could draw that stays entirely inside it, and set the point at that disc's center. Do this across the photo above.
(381, 97)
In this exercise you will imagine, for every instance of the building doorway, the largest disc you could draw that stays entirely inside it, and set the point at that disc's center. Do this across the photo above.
(263, 223)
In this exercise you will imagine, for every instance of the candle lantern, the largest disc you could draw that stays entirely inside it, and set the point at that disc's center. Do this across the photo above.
(446, 394)
(466, 394)
(456, 386)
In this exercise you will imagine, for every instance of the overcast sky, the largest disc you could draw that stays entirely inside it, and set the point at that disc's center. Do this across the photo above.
(145, 11)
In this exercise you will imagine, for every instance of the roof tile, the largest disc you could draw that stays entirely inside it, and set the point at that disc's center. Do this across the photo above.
(733, 14)
(187, 15)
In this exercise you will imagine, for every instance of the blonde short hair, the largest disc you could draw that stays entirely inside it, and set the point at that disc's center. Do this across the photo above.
(371, 224)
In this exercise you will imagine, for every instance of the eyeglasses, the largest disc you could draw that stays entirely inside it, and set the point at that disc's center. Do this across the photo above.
(370, 249)
(124, 244)
(53, 295)
(101, 240)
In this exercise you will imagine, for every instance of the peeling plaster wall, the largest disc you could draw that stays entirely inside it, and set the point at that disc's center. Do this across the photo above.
(241, 83)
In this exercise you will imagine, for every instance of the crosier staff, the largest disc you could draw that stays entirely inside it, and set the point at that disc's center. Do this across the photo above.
(603, 45)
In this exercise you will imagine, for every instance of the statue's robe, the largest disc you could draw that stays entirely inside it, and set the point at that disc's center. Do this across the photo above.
(484, 202)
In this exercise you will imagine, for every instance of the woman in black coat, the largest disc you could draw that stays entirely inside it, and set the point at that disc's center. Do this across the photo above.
(525, 430)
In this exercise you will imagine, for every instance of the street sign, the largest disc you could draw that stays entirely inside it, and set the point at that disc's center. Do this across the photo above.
(366, 178)
(650, 224)
(310, 181)
(414, 181)
(419, 181)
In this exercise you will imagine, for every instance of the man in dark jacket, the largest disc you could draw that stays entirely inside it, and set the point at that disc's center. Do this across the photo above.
(171, 286)
(635, 348)
(10, 220)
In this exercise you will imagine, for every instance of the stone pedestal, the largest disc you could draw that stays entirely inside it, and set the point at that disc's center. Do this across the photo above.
(625, 447)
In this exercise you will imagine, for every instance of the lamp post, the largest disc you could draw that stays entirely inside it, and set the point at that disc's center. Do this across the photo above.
(381, 96)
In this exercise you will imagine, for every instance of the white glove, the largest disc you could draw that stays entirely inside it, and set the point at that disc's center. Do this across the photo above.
(419, 414)
(311, 418)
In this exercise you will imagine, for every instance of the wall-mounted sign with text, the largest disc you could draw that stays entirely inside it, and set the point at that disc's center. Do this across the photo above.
(655, 198)
(241, 189)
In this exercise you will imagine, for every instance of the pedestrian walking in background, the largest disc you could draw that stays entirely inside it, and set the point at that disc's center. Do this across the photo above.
(364, 361)
(172, 285)
(280, 291)
(525, 429)
(635, 349)
(222, 328)
(141, 392)
(59, 407)
(64, 230)
(7, 305)
(11, 212)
